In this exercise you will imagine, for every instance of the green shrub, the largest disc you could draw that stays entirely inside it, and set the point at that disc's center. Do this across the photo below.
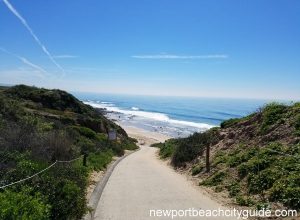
(219, 189)
(23, 166)
(287, 190)
(297, 125)
(53, 99)
(185, 153)
(86, 145)
(233, 161)
(99, 161)
(70, 192)
(230, 122)
(67, 120)
(215, 179)
(117, 148)
(157, 145)
(87, 132)
(67, 199)
(264, 180)
(37, 127)
(243, 170)
(242, 201)
(134, 140)
(197, 169)
(10, 109)
(187, 149)
(233, 189)
(272, 114)
(257, 164)
(241, 155)
(65, 188)
(219, 158)
(166, 149)
(24, 204)
(129, 144)
(294, 150)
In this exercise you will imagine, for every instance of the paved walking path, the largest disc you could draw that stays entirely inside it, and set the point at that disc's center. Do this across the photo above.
(141, 182)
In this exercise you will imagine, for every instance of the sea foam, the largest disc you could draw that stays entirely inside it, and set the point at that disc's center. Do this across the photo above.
(148, 115)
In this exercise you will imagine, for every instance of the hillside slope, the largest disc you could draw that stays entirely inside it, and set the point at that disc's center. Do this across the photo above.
(255, 160)
(39, 127)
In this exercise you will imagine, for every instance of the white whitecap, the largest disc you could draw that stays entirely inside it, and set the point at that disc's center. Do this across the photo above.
(135, 108)
(151, 115)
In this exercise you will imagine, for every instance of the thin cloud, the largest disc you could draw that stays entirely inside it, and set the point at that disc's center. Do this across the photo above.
(26, 62)
(65, 56)
(37, 40)
(185, 57)
(34, 66)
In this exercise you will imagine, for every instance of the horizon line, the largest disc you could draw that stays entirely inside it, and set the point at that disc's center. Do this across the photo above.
(155, 95)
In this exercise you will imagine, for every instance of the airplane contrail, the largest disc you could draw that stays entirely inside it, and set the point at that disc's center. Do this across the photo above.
(24, 22)
(26, 61)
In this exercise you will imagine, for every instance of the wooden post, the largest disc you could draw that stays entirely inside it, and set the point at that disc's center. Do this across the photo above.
(84, 159)
(207, 159)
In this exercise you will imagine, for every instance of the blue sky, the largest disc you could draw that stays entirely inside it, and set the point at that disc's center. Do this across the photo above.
(211, 48)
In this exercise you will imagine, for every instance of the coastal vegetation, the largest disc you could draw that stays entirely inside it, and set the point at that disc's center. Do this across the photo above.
(40, 128)
(255, 160)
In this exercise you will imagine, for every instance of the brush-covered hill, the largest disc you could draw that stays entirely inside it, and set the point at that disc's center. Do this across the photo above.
(255, 160)
(38, 127)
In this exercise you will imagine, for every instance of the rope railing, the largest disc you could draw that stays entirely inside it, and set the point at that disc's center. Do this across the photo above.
(30, 177)
(36, 174)
(69, 161)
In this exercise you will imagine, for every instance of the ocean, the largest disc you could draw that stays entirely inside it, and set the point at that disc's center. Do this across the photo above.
(173, 116)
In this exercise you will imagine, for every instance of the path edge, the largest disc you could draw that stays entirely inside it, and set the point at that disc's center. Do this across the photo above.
(97, 192)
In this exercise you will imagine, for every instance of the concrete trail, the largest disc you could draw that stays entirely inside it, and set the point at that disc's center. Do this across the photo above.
(141, 182)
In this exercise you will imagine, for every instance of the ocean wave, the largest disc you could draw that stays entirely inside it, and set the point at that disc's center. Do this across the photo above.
(151, 115)
(228, 114)
(135, 108)
(202, 126)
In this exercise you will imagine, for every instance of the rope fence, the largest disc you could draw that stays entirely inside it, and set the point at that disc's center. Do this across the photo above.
(36, 174)
(70, 161)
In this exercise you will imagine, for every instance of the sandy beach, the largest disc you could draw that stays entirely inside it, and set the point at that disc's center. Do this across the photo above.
(145, 137)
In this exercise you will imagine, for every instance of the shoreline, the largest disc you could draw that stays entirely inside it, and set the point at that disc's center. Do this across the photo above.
(143, 136)
(166, 123)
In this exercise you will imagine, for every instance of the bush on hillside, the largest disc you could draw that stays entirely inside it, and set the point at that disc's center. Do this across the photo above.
(130, 144)
(246, 159)
(239, 157)
(197, 169)
(234, 189)
(230, 122)
(87, 132)
(54, 99)
(24, 204)
(215, 179)
(264, 180)
(167, 149)
(187, 149)
(287, 190)
(98, 161)
(38, 127)
(272, 114)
